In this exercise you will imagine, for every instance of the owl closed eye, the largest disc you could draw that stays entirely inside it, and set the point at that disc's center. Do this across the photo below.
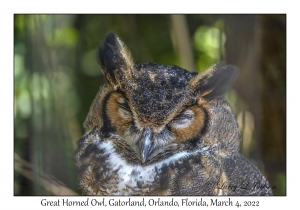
(160, 130)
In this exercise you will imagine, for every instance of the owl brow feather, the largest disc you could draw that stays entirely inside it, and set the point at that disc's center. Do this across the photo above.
(214, 82)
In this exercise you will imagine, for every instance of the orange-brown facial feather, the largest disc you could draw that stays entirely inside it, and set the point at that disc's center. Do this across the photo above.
(118, 116)
(186, 133)
(122, 118)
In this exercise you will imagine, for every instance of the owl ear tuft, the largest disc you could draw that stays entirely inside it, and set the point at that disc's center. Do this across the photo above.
(114, 59)
(214, 82)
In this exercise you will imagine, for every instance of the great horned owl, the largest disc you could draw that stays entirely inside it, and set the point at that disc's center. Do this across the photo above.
(162, 130)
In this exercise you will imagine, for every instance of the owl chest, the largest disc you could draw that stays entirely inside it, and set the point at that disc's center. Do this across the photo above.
(131, 180)
(117, 177)
(176, 175)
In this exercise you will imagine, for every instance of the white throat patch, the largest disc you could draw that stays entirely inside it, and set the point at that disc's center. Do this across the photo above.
(130, 175)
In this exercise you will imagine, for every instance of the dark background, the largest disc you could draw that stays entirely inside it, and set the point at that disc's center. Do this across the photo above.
(56, 78)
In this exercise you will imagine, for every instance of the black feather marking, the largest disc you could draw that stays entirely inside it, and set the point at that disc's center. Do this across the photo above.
(107, 127)
(206, 121)
(164, 180)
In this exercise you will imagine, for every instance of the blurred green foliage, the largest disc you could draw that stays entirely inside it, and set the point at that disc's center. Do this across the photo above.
(209, 42)
(56, 78)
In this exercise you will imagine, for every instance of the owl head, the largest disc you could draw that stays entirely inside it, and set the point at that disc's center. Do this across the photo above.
(150, 111)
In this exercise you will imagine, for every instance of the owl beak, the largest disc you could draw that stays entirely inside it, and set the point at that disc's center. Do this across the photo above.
(146, 145)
